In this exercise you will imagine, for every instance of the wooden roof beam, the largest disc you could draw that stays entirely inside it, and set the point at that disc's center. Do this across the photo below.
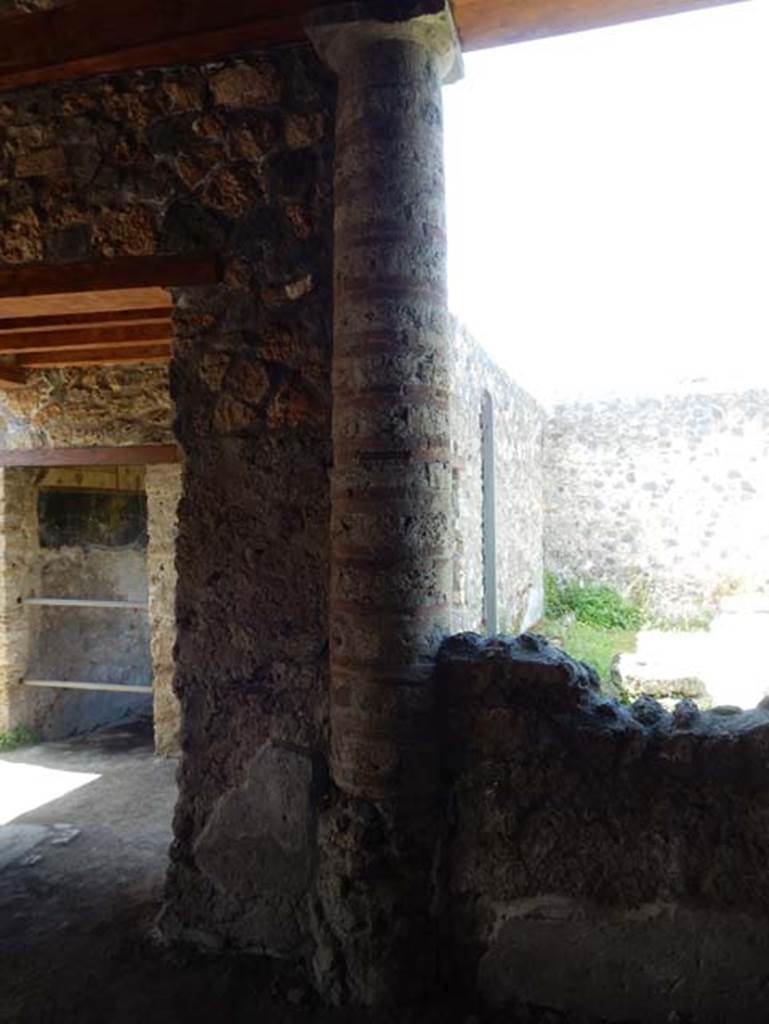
(148, 354)
(17, 342)
(85, 319)
(117, 274)
(12, 376)
(486, 23)
(126, 455)
(90, 37)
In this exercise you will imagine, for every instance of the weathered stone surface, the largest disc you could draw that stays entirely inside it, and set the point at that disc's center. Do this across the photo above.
(672, 669)
(598, 862)
(88, 407)
(252, 551)
(176, 161)
(10, 7)
(518, 435)
(657, 963)
(257, 849)
(390, 555)
(374, 900)
(666, 495)
(19, 574)
(40, 163)
(87, 644)
(714, 666)
(243, 86)
(163, 487)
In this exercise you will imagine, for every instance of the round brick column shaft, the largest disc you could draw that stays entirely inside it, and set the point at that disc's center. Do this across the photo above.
(391, 536)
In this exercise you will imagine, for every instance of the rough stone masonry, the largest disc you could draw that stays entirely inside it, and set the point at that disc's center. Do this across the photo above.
(499, 824)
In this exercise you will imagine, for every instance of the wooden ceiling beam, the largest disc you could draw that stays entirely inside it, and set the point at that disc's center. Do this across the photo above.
(486, 23)
(97, 357)
(17, 342)
(12, 376)
(127, 455)
(84, 319)
(91, 37)
(124, 272)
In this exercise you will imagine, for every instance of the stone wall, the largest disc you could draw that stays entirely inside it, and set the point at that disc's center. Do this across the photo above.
(231, 157)
(518, 436)
(163, 486)
(81, 407)
(10, 7)
(667, 496)
(89, 644)
(250, 380)
(602, 861)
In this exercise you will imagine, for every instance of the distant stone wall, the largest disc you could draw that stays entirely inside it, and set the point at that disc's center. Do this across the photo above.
(667, 496)
(518, 434)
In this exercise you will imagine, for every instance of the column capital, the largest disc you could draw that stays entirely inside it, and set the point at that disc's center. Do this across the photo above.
(335, 31)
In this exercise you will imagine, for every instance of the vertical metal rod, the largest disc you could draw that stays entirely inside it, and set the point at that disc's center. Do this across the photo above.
(490, 613)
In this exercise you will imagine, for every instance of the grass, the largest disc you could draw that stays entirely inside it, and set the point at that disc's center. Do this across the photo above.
(21, 736)
(591, 602)
(590, 621)
(595, 645)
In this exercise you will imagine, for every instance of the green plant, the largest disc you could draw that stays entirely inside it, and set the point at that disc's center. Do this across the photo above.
(682, 623)
(592, 603)
(21, 736)
(596, 646)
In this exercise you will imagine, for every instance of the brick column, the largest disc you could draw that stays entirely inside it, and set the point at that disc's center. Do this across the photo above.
(391, 489)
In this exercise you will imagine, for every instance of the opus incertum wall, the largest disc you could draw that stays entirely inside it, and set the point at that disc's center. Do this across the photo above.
(666, 495)
(519, 422)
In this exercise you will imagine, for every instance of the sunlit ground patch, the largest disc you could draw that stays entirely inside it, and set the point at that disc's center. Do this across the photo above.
(25, 787)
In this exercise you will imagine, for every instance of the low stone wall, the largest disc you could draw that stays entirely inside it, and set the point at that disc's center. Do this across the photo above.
(602, 860)
(518, 435)
(667, 496)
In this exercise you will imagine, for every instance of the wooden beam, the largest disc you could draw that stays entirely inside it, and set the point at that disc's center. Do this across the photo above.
(12, 377)
(108, 275)
(147, 354)
(90, 37)
(97, 319)
(79, 303)
(18, 342)
(127, 455)
(485, 23)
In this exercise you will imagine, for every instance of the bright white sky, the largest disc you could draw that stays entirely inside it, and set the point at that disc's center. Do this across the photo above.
(608, 203)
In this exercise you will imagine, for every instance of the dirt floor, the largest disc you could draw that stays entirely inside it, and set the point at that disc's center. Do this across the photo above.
(80, 886)
(80, 892)
(77, 907)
